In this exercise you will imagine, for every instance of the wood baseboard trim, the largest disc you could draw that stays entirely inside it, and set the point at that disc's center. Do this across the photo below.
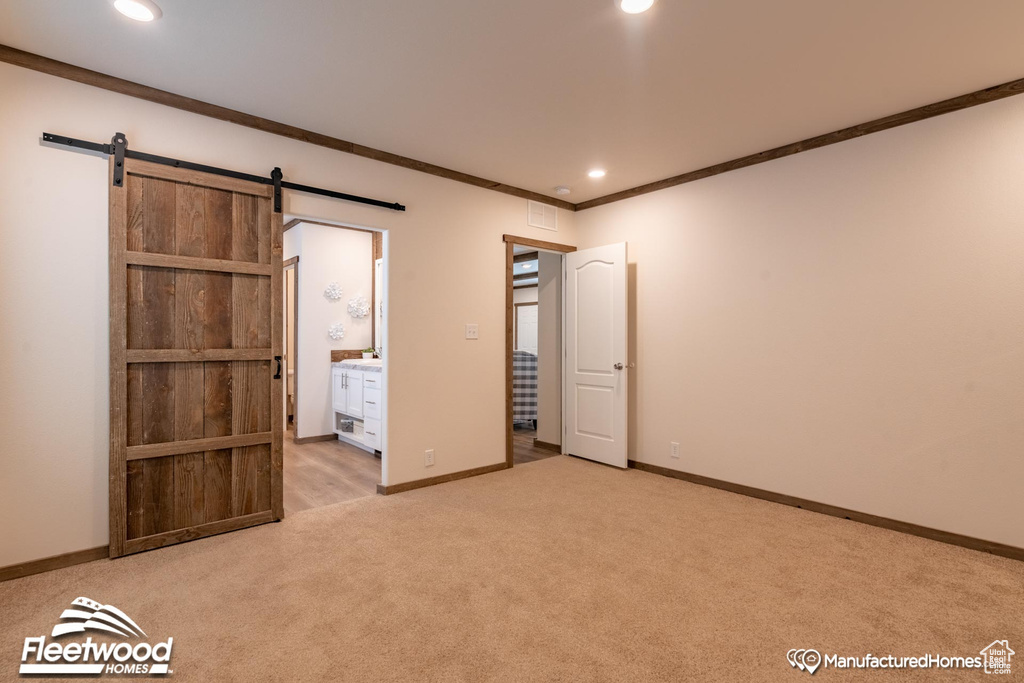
(970, 542)
(96, 79)
(547, 446)
(314, 439)
(443, 479)
(17, 571)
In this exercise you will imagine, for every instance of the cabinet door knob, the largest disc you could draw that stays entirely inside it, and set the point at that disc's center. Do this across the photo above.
(618, 366)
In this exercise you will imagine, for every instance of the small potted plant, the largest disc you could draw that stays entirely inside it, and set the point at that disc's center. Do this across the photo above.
(368, 353)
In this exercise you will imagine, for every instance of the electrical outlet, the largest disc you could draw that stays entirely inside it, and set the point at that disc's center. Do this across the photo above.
(428, 459)
(675, 449)
(472, 331)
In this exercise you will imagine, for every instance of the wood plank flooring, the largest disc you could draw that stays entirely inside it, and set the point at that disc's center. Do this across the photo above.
(325, 473)
(523, 450)
(329, 472)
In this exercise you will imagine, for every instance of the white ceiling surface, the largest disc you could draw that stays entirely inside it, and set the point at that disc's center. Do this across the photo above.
(525, 267)
(533, 93)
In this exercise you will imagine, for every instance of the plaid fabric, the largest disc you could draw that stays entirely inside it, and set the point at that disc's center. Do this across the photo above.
(524, 386)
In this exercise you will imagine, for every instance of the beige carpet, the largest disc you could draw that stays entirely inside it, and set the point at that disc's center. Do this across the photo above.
(557, 570)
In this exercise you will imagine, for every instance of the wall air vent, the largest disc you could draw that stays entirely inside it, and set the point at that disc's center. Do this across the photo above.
(541, 215)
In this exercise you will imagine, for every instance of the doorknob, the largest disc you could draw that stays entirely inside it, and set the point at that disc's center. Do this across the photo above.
(277, 375)
(618, 366)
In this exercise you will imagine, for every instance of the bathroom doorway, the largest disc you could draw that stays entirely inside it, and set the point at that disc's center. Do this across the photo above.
(334, 355)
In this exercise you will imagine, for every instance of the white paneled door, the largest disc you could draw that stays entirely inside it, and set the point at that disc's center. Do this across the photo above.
(595, 354)
(526, 328)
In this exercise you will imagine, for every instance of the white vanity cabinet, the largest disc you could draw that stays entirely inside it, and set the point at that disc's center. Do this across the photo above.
(353, 393)
(338, 398)
(371, 434)
(357, 397)
(347, 391)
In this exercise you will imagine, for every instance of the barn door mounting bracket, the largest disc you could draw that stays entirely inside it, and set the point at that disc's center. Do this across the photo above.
(276, 176)
(119, 143)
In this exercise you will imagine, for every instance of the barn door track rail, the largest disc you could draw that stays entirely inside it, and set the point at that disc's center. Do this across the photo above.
(118, 147)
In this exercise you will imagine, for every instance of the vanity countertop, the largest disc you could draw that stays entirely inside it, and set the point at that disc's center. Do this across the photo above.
(359, 364)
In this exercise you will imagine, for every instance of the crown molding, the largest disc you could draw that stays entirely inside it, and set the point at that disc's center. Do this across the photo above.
(928, 111)
(96, 79)
(78, 74)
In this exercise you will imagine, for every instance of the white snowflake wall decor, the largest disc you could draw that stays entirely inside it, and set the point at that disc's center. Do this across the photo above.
(336, 331)
(333, 291)
(358, 307)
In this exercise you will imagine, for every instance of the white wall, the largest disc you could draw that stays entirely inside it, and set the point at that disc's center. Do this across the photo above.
(845, 325)
(53, 272)
(548, 296)
(289, 327)
(288, 343)
(524, 295)
(327, 255)
(549, 347)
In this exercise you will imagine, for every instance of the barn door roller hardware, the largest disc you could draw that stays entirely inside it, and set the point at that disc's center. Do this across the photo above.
(118, 147)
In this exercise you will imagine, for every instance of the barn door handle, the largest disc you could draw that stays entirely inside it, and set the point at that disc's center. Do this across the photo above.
(277, 375)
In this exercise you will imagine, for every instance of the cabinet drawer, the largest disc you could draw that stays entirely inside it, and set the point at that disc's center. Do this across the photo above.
(371, 433)
(371, 403)
(371, 380)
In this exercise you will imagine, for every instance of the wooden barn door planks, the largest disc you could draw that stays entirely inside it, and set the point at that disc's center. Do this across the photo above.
(195, 326)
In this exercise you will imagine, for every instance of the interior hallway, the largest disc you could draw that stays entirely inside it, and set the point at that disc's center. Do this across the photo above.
(325, 473)
(561, 570)
(523, 450)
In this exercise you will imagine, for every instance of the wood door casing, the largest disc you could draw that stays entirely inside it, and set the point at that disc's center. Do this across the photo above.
(195, 319)
(510, 259)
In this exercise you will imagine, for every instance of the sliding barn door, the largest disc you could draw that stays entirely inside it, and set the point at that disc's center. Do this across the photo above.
(195, 324)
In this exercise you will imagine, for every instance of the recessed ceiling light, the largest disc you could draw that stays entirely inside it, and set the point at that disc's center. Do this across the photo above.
(596, 173)
(562, 189)
(634, 6)
(139, 10)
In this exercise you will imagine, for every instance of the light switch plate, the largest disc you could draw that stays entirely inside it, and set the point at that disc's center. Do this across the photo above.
(472, 331)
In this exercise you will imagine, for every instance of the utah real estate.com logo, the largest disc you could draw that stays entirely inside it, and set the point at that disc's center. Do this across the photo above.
(995, 658)
(59, 657)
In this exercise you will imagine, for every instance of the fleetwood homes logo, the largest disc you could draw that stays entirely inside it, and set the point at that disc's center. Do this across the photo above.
(94, 658)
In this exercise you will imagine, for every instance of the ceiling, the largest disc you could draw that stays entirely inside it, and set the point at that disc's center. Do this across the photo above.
(525, 267)
(533, 93)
